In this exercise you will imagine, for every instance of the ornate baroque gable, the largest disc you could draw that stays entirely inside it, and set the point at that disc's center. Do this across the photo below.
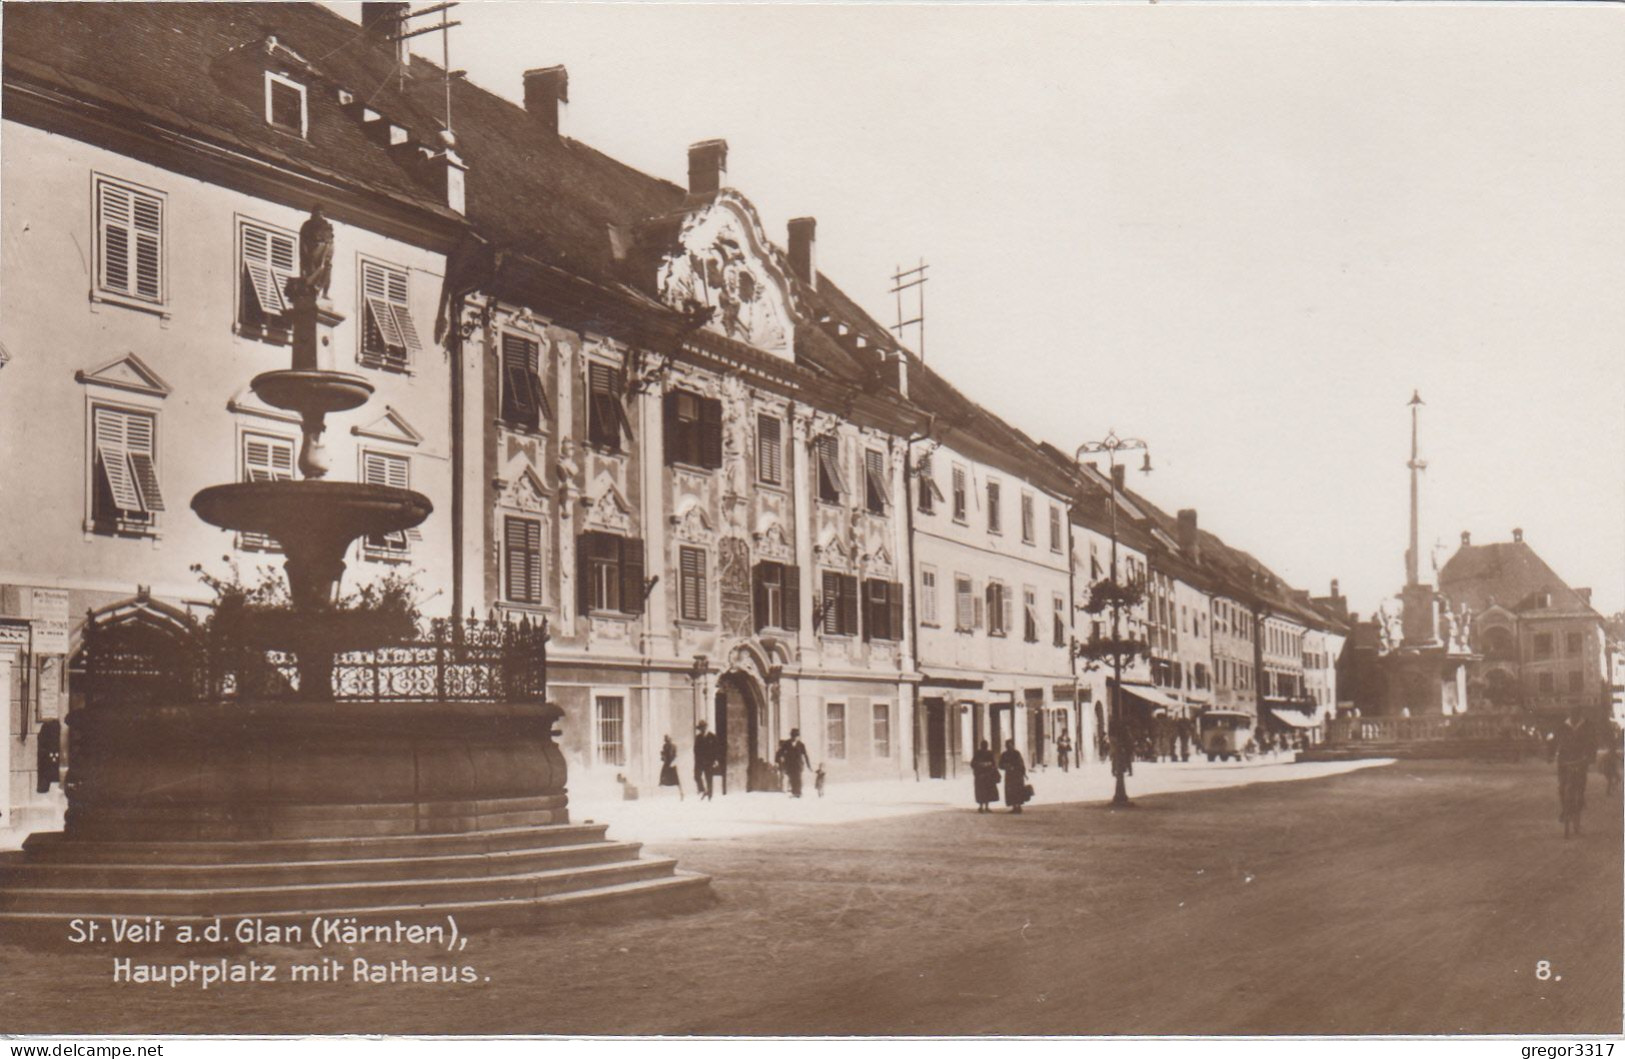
(723, 262)
(524, 492)
(606, 508)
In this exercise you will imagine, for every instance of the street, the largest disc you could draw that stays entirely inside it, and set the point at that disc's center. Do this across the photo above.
(1418, 897)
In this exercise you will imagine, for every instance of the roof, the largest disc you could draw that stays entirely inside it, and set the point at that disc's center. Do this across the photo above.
(1507, 574)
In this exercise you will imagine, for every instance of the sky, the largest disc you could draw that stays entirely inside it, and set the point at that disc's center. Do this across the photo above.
(1244, 234)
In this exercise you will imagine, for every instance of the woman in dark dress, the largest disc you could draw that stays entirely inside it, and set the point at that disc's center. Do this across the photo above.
(986, 771)
(668, 767)
(1015, 776)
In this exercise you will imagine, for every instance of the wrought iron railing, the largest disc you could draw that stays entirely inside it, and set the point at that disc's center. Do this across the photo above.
(134, 664)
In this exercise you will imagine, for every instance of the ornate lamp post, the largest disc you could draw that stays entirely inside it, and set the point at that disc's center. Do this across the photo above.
(1113, 594)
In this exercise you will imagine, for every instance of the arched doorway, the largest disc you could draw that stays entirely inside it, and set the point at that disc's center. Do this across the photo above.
(741, 729)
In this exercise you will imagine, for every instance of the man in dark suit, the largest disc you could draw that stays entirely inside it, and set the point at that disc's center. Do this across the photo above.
(705, 757)
(793, 759)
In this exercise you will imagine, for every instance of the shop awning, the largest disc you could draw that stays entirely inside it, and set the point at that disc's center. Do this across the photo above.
(1152, 696)
(1295, 719)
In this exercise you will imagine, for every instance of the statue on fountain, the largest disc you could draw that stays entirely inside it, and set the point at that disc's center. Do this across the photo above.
(316, 253)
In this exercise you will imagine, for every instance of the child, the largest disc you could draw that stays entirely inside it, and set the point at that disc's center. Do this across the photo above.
(818, 780)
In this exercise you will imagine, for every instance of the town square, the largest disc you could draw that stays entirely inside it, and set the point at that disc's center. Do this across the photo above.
(473, 532)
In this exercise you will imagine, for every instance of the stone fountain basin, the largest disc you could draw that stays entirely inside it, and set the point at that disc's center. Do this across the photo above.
(312, 390)
(291, 510)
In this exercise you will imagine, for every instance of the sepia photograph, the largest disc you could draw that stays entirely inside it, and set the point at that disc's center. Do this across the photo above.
(803, 520)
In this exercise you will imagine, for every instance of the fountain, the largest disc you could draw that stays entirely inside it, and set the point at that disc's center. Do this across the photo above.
(305, 763)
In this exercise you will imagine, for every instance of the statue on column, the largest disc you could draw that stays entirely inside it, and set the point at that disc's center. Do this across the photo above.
(316, 253)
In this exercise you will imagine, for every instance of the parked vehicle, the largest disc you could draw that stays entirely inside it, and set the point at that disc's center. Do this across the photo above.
(1225, 734)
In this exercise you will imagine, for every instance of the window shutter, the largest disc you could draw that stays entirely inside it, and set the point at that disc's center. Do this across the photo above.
(758, 593)
(874, 473)
(139, 441)
(518, 578)
(132, 226)
(691, 571)
(631, 575)
(672, 428)
(117, 235)
(979, 617)
(832, 603)
(896, 608)
(867, 608)
(849, 610)
(267, 265)
(710, 432)
(585, 545)
(769, 450)
(790, 596)
(112, 452)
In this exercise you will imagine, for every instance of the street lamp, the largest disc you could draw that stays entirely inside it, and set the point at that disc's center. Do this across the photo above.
(1122, 750)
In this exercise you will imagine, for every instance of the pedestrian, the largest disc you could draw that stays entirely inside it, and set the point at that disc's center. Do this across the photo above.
(1014, 767)
(668, 767)
(705, 757)
(985, 771)
(1610, 762)
(1576, 748)
(794, 759)
(1063, 752)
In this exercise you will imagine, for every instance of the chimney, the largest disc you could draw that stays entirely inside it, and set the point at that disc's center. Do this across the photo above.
(1118, 472)
(1466, 538)
(545, 90)
(1517, 536)
(383, 21)
(1335, 593)
(707, 166)
(447, 175)
(1584, 594)
(1189, 542)
(803, 250)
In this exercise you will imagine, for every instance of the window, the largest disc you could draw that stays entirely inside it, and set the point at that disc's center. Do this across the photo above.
(609, 573)
(524, 402)
(1545, 682)
(882, 610)
(1059, 607)
(1029, 529)
(609, 728)
(959, 494)
(1029, 611)
(1543, 645)
(882, 712)
(522, 559)
(777, 596)
(876, 494)
(269, 257)
(1576, 682)
(129, 241)
(840, 604)
(383, 468)
(831, 483)
(1055, 540)
(389, 336)
(995, 518)
(928, 595)
(285, 104)
(691, 584)
(999, 607)
(1573, 644)
(266, 458)
(693, 429)
(964, 604)
(835, 730)
(125, 497)
(770, 449)
(930, 494)
(606, 414)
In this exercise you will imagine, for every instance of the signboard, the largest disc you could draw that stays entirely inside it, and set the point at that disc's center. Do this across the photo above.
(49, 610)
(50, 687)
(13, 633)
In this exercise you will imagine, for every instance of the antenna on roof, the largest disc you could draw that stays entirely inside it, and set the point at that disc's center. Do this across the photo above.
(913, 279)
(444, 29)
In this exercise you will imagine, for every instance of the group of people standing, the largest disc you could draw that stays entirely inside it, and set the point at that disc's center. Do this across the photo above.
(985, 770)
(791, 757)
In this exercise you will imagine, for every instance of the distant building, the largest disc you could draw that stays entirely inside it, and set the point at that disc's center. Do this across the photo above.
(1540, 647)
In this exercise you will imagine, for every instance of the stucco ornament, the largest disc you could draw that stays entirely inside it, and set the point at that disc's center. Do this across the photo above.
(718, 266)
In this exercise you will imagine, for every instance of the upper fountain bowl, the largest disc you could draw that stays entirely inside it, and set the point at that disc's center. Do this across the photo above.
(304, 390)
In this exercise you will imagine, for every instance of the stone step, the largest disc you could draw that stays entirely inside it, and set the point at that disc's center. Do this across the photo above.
(54, 846)
(673, 891)
(346, 897)
(63, 874)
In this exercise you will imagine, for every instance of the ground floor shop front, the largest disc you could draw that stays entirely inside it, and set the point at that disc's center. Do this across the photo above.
(956, 715)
